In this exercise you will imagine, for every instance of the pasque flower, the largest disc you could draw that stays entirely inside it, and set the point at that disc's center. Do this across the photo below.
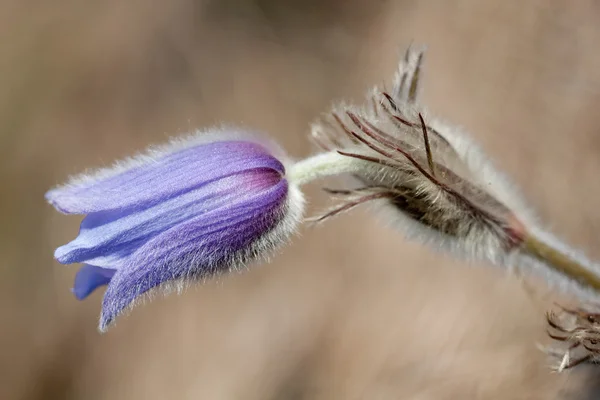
(211, 203)
(199, 206)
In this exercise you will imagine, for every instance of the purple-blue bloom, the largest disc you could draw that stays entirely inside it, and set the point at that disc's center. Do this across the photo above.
(187, 211)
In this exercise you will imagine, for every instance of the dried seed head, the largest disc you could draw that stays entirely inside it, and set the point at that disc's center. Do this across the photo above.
(579, 332)
(423, 169)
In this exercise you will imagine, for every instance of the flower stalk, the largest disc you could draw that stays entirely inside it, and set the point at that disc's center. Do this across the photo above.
(562, 263)
(321, 166)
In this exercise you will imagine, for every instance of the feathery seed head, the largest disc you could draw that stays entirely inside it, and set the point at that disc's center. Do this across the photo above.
(414, 166)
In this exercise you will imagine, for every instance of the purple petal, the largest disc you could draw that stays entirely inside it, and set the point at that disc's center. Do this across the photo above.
(109, 238)
(165, 177)
(196, 248)
(185, 214)
(89, 278)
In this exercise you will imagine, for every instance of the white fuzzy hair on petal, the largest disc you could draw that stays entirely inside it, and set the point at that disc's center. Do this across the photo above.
(155, 152)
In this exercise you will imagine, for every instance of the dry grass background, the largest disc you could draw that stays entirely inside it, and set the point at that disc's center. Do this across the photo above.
(350, 310)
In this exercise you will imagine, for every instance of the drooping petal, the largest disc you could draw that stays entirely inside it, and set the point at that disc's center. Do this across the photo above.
(89, 278)
(108, 238)
(223, 238)
(161, 178)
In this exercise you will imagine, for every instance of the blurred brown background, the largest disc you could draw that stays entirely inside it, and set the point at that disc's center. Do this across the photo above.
(350, 310)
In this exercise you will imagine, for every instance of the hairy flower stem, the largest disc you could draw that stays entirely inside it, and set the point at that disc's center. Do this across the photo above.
(561, 262)
(321, 166)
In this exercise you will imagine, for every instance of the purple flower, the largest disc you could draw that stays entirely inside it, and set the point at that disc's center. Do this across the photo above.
(187, 211)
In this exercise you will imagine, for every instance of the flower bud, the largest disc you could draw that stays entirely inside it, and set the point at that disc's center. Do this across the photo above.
(183, 212)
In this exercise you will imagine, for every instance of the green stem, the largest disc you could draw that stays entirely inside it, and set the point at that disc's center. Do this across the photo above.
(562, 262)
(321, 166)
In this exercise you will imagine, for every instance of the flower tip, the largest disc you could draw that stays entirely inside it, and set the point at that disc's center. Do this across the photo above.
(120, 298)
(51, 198)
(79, 295)
(49, 195)
(105, 323)
(63, 255)
(55, 197)
(89, 278)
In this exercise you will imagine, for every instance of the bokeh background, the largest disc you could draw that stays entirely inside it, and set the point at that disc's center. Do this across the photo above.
(350, 310)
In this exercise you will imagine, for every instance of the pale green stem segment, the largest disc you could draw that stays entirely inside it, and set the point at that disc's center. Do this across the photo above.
(562, 263)
(323, 165)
